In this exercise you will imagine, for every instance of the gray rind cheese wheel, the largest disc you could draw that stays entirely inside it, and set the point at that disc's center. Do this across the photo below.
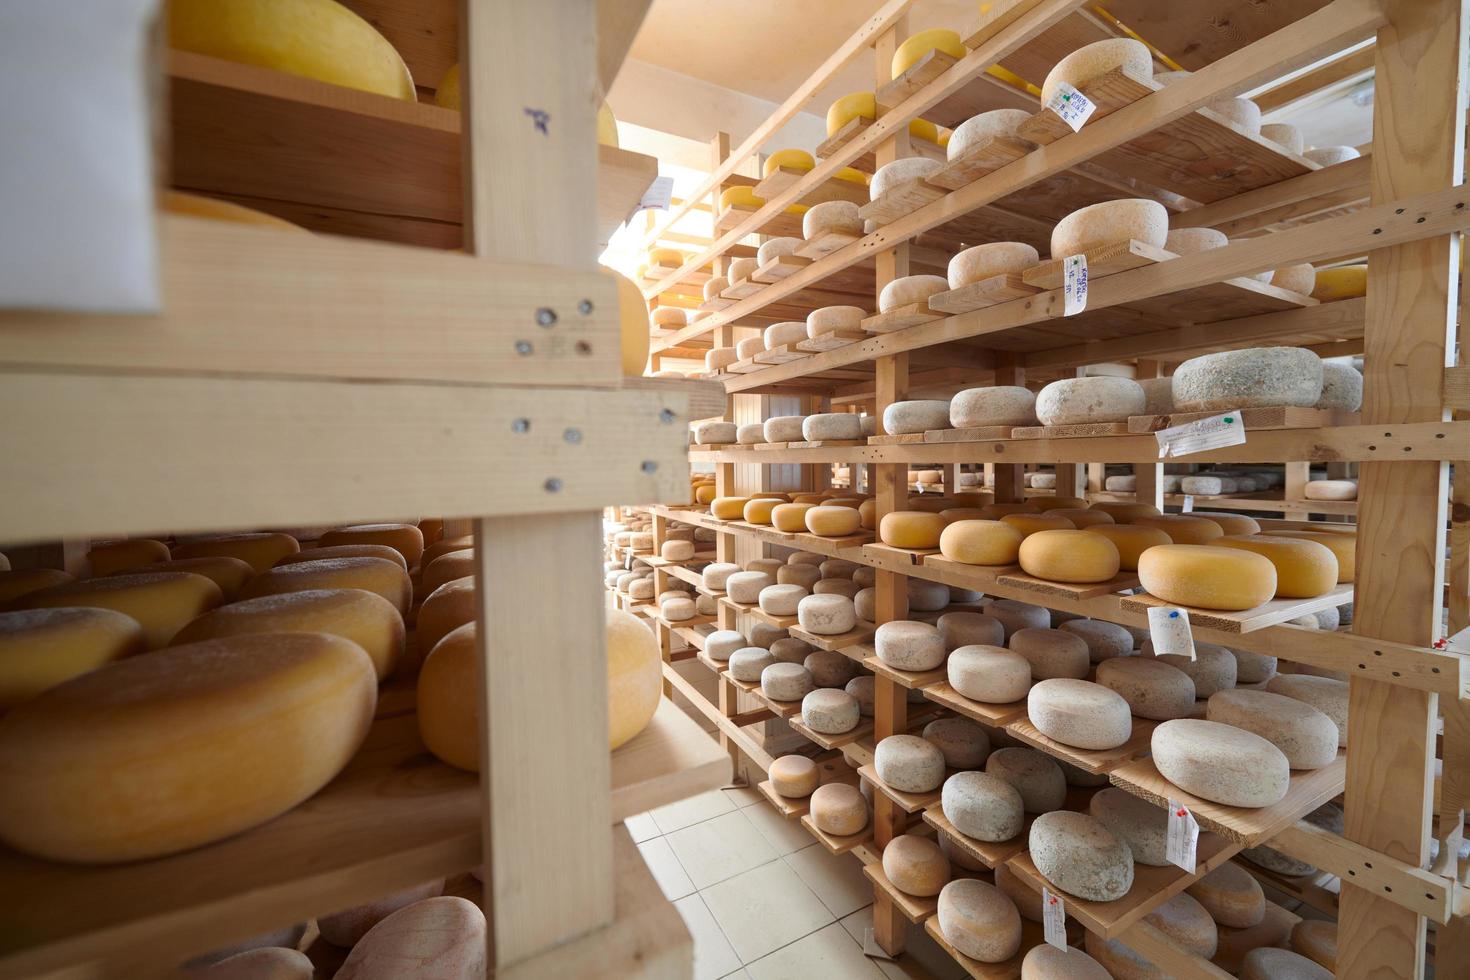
(1017, 615)
(1202, 485)
(915, 865)
(902, 418)
(1328, 816)
(909, 290)
(1327, 694)
(746, 586)
(1186, 922)
(1104, 640)
(1231, 895)
(831, 425)
(829, 711)
(774, 248)
(1306, 736)
(978, 130)
(963, 743)
(963, 629)
(1213, 668)
(836, 586)
(864, 689)
(716, 575)
(1252, 667)
(1052, 653)
(838, 809)
(715, 433)
(1142, 825)
(983, 806)
(989, 674)
(1219, 762)
(1120, 484)
(1001, 405)
(1152, 688)
(863, 604)
(1035, 775)
(806, 576)
(1094, 60)
(831, 319)
(1044, 481)
(909, 764)
(1331, 490)
(789, 650)
(784, 428)
(1073, 401)
(1251, 378)
(901, 171)
(981, 262)
(1342, 387)
(786, 332)
(1079, 713)
(793, 777)
(781, 600)
(747, 663)
(927, 596)
(1079, 856)
(1046, 962)
(1270, 963)
(978, 919)
(783, 681)
(827, 615)
(831, 217)
(828, 668)
(752, 434)
(908, 645)
(1108, 223)
(1158, 396)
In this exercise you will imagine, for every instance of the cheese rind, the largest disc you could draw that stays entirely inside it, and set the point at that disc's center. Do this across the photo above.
(1306, 736)
(911, 529)
(901, 171)
(909, 764)
(1110, 222)
(915, 865)
(260, 549)
(980, 542)
(838, 809)
(1220, 763)
(436, 939)
(373, 574)
(1079, 713)
(108, 557)
(1231, 895)
(1207, 577)
(161, 602)
(1080, 856)
(908, 645)
(794, 777)
(1001, 405)
(1098, 399)
(1035, 775)
(1152, 688)
(980, 262)
(1094, 60)
(831, 217)
(41, 648)
(831, 425)
(978, 919)
(1068, 556)
(1250, 378)
(909, 290)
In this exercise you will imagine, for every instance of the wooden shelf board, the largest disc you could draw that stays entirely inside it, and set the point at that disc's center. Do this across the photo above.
(933, 64)
(903, 439)
(986, 292)
(816, 248)
(785, 709)
(899, 318)
(790, 809)
(1282, 417)
(909, 802)
(1248, 621)
(969, 434)
(696, 621)
(980, 160)
(752, 609)
(1094, 761)
(899, 201)
(1070, 590)
(1080, 430)
(780, 267)
(863, 729)
(832, 189)
(1247, 826)
(888, 557)
(914, 908)
(991, 715)
(911, 679)
(830, 341)
(1109, 92)
(837, 845)
(989, 853)
(862, 634)
(782, 225)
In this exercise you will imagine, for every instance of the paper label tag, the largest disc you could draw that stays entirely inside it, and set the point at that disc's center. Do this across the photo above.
(659, 195)
(1183, 835)
(628, 561)
(1215, 432)
(1188, 503)
(1072, 106)
(1054, 918)
(1168, 629)
(1074, 284)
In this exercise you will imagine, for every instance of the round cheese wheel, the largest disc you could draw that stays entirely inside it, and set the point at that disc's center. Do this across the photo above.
(439, 938)
(857, 105)
(910, 290)
(1044, 481)
(716, 574)
(716, 433)
(831, 218)
(1343, 546)
(373, 574)
(346, 928)
(1124, 511)
(915, 416)
(784, 428)
(830, 711)
(1035, 775)
(362, 551)
(1016, 615)
(1095, 60)
(747, 586)
(728, 508)
(741, 269)
(1051, 653)
(1104, 640)
(455, 603)
(902, 171)
(793, 777)
(1139, 823)
(828, 668)
(406, 539)
(978, 919)
(677, 550)
(84, 765)
(1183, 528)
(1206, 576)
(714, 286)
(1219, 762)
(979, 130)
(1231, 523)
(786, 332)
(804, 575)
(1079, 713)
(1046, 962)
(260, 550)
(1079, 856)
(916, 866)
(747, 663)
(1185, 921)
(41, 648)
(1327, 694)
(981, 262)
(1212, 669)
(838, 809)
(761, 511)
(1304, 569)
(1331, 490)
(1342, 387)
(672, 317)
(1306, 736)
(827, 615)
(1261, 376)
(981, 542)
(716, 360)
(749, 347)
(105, 558)
(831, 425)
(908, 645)
(1108, 223)
(1340, 282)
(1326, 156)
(1202, 485)
(1269, 963)
(909, 764)
(1231, 895)
(1317, 941)
(781, 600)
(911, 529)
(1076, 400)
(916, 46)
(721, 643)
(788, 160)
(764, 634)
(963, 743)
(1068, 556)
(1001, 405)
(1285, 135)
(1152, 688)
(1299, 278)
(863, 690)
(15, 583)
(641, 588)
(962, 629)
(160, 602)
(774, 248)
(677, 609)
(832, 522)
(982, 806)
(989, 674)
(832, 319)
(750, 434)
(790, 518)
(1188, 241)
(445, 568)
(927, 596)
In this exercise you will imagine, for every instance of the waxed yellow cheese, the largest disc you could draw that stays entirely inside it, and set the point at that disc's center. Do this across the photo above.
(728, 508)
(788, 160)
(857, 105)
(161, 602)
(1029, 524)
(446, 609)
(759, 510)
(15, 583)
(230, 574)
(41, 648)
(1304, 569)
(373, 574)
(107, 557)
(916, 46)
(981, 543)
(406, 539)
(1069, 556)
(833, 521)
(1182, 528)
(1207, 576)
(447, 568)
(910, 529)
(1343, 282)
(260, 549)
(790, 518)
(1343, 546)
(1131, 540)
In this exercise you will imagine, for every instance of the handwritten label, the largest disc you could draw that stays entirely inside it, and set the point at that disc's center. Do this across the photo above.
(1183, 836)
(1072, 106)
(1215, 432)
(1168, 629)
(1054, 918)
(1188, 506)
(658, 196)
(1074, 284)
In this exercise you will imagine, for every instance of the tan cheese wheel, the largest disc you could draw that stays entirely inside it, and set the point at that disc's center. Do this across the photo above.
(1152, 688)
(1299, 278)
(406, 539)
(1049, 504)
(1139, 823)
(790, 517)
(717, 359)
(446, 609)
(1342, 389)
(1340, 282)
(260, 549)
(909, 764)
(1080, 856)
(1079, 713)
(831, 218)
(749, 347)
(989, 674)
(366, 619)
(980, 542)
(908, 290)
(1046, 962)
(981, 262)
(1015, 615)
(1189, 241)
(830, 711)
(916, 866)
(161, 602)
(838, 809)
(41, 648)
(1104, 640)
(1219, 762)
(84, 766)
(373, 574)
(444, 546)
(759, 511)
(1073, 401)
(1213, 668)
(715, 285)
(780, 681)
(1304, 569)
(669, 316)
(899, 172)
(960, 629)
(1110, 222)
(982, 806)
(1029, 524)
(781, 600)
(917, 416)
(828, 614)
(439, 938)
(1207, 577)
(1269, 963)
(831, 425)
(1284, 135)
(1183, 528)
(793, 777)
(1231, 523)
(1185, 921)
(1327, 694)
(784, 428)
(911, 529)
(1068, 556)
(746, 586)
(833, 521)
(15, 583)
(1306, 736)
(786, 332)
(1343, 546)
(728, 508)
(678, 549)
(1000, 405)
(1254, 377)
(1130, 540)
(362, 550)
(774, 248)
(1317, 941)
(1231, 895)
(1035, 775)
(230, 574)
(750, 434)
(108, 557)
(832, 319)
(445, 568)
(1124, 511)
(1326, 156)
(978, 919)
(741, 268)
(1094, 60)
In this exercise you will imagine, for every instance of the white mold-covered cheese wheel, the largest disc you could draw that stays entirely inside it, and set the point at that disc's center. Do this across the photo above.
(1158, 395)
(829, 711)
(1220, 763)
(963, 743)
(775, 248)
(746, 586)
(910, 290)
(793, 777)
(1306, 736)
(989, 674)
(908, 645)
(833, 522)
(839, 809)
(1342, 387)
(84, 765)
(1188, 241)
(721, 643)
(749, 347)
(1046, 962)
(1094, 60)
(978, 130)
(1270, 963)
(1044, 481)
(641, 588)
(717, 359)
(1327, 694)
(678, 609)
(1079, 856)
(1252, 667)
(891, 175)
(1202, 485)
(677, 550)
(783, 681)
(669, 316)
(978, 919)
(915, 416)
(828, 668)
(827, 615)
(717, 574)
(982, 806)
(909, 764)
(1035, 775)
(1001, 405)
(1152, 688)
(1284, 135)
(1207, 577)
(1079, 713)
(715, 285)
(747, 663)
(1120, 484)
(1077, 400)
(741, 268)
(784, 428)
(981, 262)
(1259, 376)
(751, 434)
(1104, 640)
(831, 425)
(781, 600)
(963, 629)
(915, 865)
(1017, 615)
(1326, 156)
(1052, 653)
(831, 319)
(716, 433)
(1331, 490)
(831, 218)
(1231, 895)
(437, 939)
(1299, 278)
(1110, 222)
(786, 332)
(1213, 668)
(1142, 825)
(261, 549)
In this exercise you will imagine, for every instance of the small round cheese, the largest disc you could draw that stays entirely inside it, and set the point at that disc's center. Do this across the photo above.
(1343, 546)
(441, 938)
(1185, 921)
(1047, 962)
(161, 602)
(781, 681)
(978, 919)
(989, 674)
(980, 542)
(1270, 963)
(406, 539)
(1342, 387)
(1079, 856)
(751, 434)
(1052, 653)
(916, 866)
(831, 218)
(1231, 895)
(41, 648)
(828, 668)
(838, 809)
(1304, 569)
(1287, 136)
(1299, 278)
(1340, 282)
(677, 550)
(747, 586)
(963, 743)
(1331, 490)
(962, 629)
(1326, 156)
(915, 416)
(794, 777)
(1261, 376)
(1326, 694)
(831, 319)
(1095, 60)
(715, 285)
(917, 46)
(863, 689)
(1188, 241)
(1130, 540)
(717, 359)
(445, 568)
(1035, 775)
(672, 317)
(981, 262)
(715, 433)
(747, 663)
(982, 806)
(1073, 401)
(909, 290)
(927, 596)
(1231, 523)
(1000, 405)
(909, 764)
(774, 248)
(786, 332)
(748, 348)
(911, 529)
(833, 522)
(908, 645)
(1306, 736)
(784, 428)
(260, 549)
(1152, 688)
(789, 650)
(1212, 669)
(1219, 762)
(105, 558)
(831, 425)
(892, 175)
(741, 269)
(781, 600)
(829, 711)
(1104, 640)
(1079, 713)
(717, 574)
(805, 576)
(1068, 556)
(827, 615)
(1207, 577)
(1044, 481)
(790, 518)
(1108, 223)
(677, 609)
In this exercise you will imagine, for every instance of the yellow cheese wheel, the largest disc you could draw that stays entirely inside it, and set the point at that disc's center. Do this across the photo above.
(161, 602)
(923, 129)
(446, 609)
(350, 551)
(374, 574)
(868, 514)
(160, 753)
(916, 46)
(851, 176)
(1131, 540)
(406, 539)
(230, 574)
(728, 508)
(790, 518)
(448, 697)
(1029, 524)
(432, 529)
(832, 521)
(115, 556)
(260, 549)
(318, 39)
(1207, 577)
(952, 514)
(666, 256)
(1045, 504)
(1343, 546)
(853, 502)
(808, 498)
(15, 583)
(634, 676)
(448, 94)
(1082, 516)
(1343, 282)
(758, 509)
(775, 495)
(607, 125)
(199, 206)
(1069, 556)
(366, 619)
(704, 494)
(981, 543)
(445, 545)
(1304, 569)
(447, 568)
(1231, 523)
(857, 105)
(1125, 511)
(633, 317)
(997, 511)
(1181, 528)
(911, 529)
(740, 196)
(788, 160)
(41, 648)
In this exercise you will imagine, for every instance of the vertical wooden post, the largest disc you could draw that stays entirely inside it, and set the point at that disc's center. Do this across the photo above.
(1009, 477)
(1149, 488)
(1418, 147)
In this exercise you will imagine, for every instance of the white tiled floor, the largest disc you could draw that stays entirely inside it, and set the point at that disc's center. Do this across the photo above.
(763, 901)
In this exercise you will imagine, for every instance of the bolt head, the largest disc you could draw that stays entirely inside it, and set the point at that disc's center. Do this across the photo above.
(649, 466)
(585, 307)
(524, 348)
(545, 316)
(666, 416)
(572, 436)
(521, 426)
(552, 484)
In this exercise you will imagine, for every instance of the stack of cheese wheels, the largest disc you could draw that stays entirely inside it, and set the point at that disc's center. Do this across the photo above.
(1110, 223)
(1095, 60)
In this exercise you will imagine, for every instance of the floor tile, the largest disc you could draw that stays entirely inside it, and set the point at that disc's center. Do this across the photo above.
(837, 879)
(786, 836)
(642, 827)
(926, 962)
(827, 953)
(687, 813)
(667, 871)
(713, 955)
(764, 909)
(720, 848)
(737, 975)
(743, 796)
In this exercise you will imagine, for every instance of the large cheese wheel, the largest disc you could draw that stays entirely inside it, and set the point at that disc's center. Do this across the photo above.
(41, 648)
(1079, 713)
(916, 866)
(961, 629)
(445, 568)
(1001, 405)
(857, 105)
(899, 172)
(911, 529)
(1104, 640)
(838, 809)
(260, 549)
(982, 806)
(829, 711)
(1051, 653)
(1130, 540)
(1139, 823)
(1212, 668)
(978, 919)
(909, 290)
(1255, 377)
(406, 539)
(1317, 941)
(780, 681)
(749, 347)
(444, 546)
(980, 542)
(833, 522)
(788, 159)
(1268, 963)
(783, 428)
(908, 645)
(781, 600)
(786, 332)
(831, 319)
(790, 518)
(1341, 282)
(1207, 577)
(1219, 762)
(1108, 223)
(108, 557)
(1015, 615)
(1153, 688)
(831, 425)
(1094, 60)
(15, 583)
(831, 218)
(1327, 694)
(989, 674)
(1306, 736)
(373, 574)
(746, 586)
(1080, 856)
(452, 605)
(728, 508)
(1342, 387)
(161, 602)
(1183, 528)
(917, 45)
(1231, 523)
(909, 764)
(230, 574)
(1304, 569)
(1185, 921)
(794, 777)
(366, 619)
(160, 753)
(1068, 556)
(979, 130)
(1124, 511)
(1035, 775)
(1189, 241)
(981, 262)
(350, 551)
(1231, 895)
(1077, 400)
(1343, 546)
(827, 615)
(440, 938)
(1047, 962)
(317, 39)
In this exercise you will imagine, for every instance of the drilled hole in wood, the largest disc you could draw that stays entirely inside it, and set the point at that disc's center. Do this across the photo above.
(1397, 674)
(1368, 865)
(1371, 448)
(1434, 670)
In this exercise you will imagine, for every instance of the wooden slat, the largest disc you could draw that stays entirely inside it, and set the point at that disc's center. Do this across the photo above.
(1270, 613)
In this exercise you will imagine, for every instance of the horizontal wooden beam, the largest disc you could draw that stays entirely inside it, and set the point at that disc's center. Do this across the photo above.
(727, 726)
(1425, 892)
(1338, 69)
(1457, 388)
(1243, 213)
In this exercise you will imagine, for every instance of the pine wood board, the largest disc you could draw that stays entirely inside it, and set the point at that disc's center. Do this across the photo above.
(987, 292)
(828, 444)
(790, 809)
(1271, 613)
(835, 644)
(718, 666)
(1080, 430)
(715, 304)
(1245, 825)
(913, 907)
(780, 267)
(863, 729)
(1070, 590)
(742, 289)
(904, 439)
(785, 709)
(868, 161)
(831, 341)
(912, 679)
(989, 853)
(834, 844)
(990, 715)
(977, 578)
(832, 189)
(979, 160)
(1105, 260)
(754, 609)
(669, 624)
(898, 201)
(974, 433)
(898, 318)
(816, 248)
(1232, 299)
(1095, 761)
(782, 225)
(909, 802)
(888, 557)
(766, 446)
(1279, 417)
(915, 78)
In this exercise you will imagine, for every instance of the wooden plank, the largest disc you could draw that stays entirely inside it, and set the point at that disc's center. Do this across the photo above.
(900, 317)
(1334, 71)
(988, 853)
(861, 634)
(918, 75)
(816, 248)
(834, 189)
(899, 201)
(913, 907)
(1165, 953)
(1207, 30)
(1267, 614)
(990, 715)
(969, 434)
(1281, 417)
(909, 802)
(834, 844)
(978, 295)
(1070, 590)
(1096, 761)
(1080, 430)
(1103, 261)
(862, 729)
(1111, 92)
(783, 224)
(978, 161)
(1032, 935)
